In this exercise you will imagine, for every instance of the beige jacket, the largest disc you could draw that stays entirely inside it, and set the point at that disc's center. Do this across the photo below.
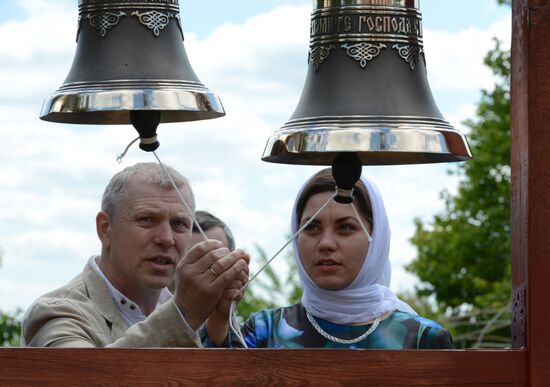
(83, 314)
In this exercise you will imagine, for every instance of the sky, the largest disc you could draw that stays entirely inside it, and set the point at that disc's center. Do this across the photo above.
(253, 55)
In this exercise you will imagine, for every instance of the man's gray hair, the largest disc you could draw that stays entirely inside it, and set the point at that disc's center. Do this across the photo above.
(151, 173)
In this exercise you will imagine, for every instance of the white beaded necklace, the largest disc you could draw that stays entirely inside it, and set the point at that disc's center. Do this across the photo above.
(336, 339)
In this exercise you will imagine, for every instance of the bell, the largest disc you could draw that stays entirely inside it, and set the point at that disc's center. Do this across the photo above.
(366, 91)
(130, 66)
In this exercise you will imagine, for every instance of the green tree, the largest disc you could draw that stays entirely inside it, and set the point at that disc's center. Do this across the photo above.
(10, 326)
(463, 254)
(10, 329)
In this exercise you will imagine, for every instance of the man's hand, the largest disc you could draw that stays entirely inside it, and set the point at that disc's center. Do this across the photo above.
(217, 324)
(202, 276)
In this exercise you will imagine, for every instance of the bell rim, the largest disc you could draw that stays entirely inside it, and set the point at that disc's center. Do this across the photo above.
(382, 143)
(178, 102)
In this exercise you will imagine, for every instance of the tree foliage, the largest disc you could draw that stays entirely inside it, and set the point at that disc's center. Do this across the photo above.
(463, 254)
(10, 327)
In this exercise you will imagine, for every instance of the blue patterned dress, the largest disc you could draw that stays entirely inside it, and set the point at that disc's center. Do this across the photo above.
(289, 327)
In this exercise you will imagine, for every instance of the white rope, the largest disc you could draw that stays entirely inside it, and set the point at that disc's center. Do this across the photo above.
(121, 156)
(361, 222)
(143, 140)
(236, 329)
(178, 192)
(234, 324)
(289, 241)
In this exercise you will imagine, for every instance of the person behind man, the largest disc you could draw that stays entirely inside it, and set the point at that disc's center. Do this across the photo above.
(214, 228)
(120, 299)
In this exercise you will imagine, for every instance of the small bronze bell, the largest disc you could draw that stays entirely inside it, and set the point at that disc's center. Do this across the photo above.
(130, 59)
(366, 91)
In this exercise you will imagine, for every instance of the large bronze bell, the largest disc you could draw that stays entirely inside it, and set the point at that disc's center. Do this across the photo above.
(366, 91)
(130, 66)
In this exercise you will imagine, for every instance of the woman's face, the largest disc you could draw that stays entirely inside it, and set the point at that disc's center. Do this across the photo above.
(333, 246)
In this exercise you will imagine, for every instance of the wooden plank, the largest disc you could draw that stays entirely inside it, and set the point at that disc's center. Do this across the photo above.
(531, 177)
(56, 367)
(520, 171)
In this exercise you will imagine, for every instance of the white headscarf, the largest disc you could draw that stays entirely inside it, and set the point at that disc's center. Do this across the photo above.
(368, 296)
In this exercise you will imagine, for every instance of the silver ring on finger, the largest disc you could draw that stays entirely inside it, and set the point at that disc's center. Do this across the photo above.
(212, 271)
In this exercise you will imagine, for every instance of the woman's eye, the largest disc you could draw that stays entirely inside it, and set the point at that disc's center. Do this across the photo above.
(346, 227)
(311, 227)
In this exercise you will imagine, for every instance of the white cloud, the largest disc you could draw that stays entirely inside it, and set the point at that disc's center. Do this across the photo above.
(36, 53)
(455, 61)
(13, 291)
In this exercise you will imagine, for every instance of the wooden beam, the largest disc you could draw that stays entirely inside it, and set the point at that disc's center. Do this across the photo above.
(519, 161)
(225, 367)
(530, 131)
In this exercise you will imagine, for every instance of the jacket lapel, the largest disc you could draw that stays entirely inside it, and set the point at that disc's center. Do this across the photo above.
(100, 296)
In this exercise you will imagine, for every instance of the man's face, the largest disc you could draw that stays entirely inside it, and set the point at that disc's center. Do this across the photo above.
(149, 234)
(213, 233)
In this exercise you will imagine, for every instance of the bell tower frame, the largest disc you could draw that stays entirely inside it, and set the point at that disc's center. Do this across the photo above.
(526, 364)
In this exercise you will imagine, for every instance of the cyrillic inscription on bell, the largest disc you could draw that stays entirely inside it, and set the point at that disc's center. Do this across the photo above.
(364, 31)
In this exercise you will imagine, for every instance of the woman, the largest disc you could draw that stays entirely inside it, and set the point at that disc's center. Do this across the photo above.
(346, 301)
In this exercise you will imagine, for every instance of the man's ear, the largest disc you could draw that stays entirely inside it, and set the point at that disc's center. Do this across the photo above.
(103, 228)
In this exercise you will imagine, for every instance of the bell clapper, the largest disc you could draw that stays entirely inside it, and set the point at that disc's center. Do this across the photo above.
(146, 123)
(346, 170)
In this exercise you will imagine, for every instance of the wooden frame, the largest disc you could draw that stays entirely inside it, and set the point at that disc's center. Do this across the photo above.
(528, 363)
(276, 367)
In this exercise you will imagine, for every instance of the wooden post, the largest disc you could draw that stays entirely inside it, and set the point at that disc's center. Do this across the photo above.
(530, 131)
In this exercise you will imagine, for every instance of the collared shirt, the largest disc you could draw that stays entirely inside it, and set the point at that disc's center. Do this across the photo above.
(130, 310)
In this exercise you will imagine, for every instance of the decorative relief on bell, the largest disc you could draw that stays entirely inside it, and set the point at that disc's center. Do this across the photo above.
(154, 20)
(363, 29)
(363, 52)
(104, 21)
(411, 54)
(318, 55)
(104, 15)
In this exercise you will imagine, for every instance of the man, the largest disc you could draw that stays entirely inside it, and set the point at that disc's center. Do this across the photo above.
(120, 299)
